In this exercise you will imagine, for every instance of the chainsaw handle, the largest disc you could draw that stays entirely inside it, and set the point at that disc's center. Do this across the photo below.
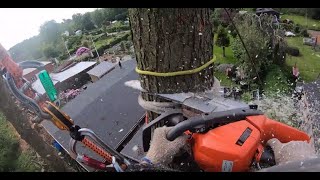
(206, 121)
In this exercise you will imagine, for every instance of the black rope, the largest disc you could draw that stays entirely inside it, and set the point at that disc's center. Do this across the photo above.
(243, 45)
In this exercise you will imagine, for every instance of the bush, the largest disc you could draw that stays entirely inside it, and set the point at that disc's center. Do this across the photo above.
(118, 28)
(63, 57)
(297, 29)
(9, 146)
(304, 33)
(246, 97)
(293, 51)
(288, 27)
(112, 43)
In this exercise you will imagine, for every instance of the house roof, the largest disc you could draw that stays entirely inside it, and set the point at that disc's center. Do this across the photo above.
(76, 69)
(101, 69)
(29, 70)
(62, 76)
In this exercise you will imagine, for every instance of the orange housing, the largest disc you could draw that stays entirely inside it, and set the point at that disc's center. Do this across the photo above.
(219, 149)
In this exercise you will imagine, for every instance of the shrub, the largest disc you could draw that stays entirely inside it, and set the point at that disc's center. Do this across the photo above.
(297, 29)
(293, 51)
(304, 33)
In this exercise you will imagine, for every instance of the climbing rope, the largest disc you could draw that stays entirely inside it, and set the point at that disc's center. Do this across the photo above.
(177, 73)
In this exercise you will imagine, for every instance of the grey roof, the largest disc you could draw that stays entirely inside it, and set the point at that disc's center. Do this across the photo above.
(76, 69)
(101, 69)
(62, 76)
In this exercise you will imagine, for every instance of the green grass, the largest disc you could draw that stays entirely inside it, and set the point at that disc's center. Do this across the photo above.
(218, 52)
(11, 157)
(308, 23)
(229, 59)
(276, 81)
(224, 80)
(308, 62)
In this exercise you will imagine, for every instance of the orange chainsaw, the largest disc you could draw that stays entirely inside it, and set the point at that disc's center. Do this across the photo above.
(227, 141)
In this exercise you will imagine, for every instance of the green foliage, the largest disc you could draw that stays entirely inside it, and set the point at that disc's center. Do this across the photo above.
(223, 39)
(277, 81)
(307, 62)
(123, 48)
(304, 33)
(265, 45)
(9, 146)
(293, 51)
(97, 17)
(27, 49)
(220, 17)
(86, 22)
(11, 157)
(246, 97)
(106, 44)
(305, 22)
(314, 13)
(118, 28)
(51, 33)
(218, 52)
(49, 51)
(297, 28)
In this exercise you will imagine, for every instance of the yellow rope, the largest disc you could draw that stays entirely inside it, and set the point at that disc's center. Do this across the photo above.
(176, 73)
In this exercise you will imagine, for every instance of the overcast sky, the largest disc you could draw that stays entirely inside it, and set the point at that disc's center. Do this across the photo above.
(18, 24)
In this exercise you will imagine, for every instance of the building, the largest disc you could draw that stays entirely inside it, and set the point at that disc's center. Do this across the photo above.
(31, 73)
(71, 78)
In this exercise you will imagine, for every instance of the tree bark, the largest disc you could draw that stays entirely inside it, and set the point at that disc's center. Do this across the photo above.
(224, 51)
(173, 39)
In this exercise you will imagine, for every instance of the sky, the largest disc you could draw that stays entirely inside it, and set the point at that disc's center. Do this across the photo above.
(18, 24)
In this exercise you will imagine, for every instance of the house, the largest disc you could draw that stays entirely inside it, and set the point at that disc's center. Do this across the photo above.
(78, 32)
(73, 77)
(31, 73)
(268, 11)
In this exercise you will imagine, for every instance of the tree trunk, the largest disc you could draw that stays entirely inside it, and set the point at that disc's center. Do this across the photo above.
(33, 137)
(224, 51)
(169, 40)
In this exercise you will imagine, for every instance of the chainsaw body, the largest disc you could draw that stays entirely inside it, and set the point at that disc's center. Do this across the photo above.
(228, 141)
(235, 146)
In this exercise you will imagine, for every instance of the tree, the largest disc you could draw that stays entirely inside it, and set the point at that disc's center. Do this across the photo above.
(168, 40)
(49, 51)
(49, 31)
(122, 46)
(264, 42)
(77, 21)
(86, 22)
(97, 17)
(223, 39)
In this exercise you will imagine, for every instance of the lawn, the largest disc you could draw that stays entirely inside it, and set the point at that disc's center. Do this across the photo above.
(218, 52)
(308, 23)
(12, 157)
(308, 62)
(229, 59)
